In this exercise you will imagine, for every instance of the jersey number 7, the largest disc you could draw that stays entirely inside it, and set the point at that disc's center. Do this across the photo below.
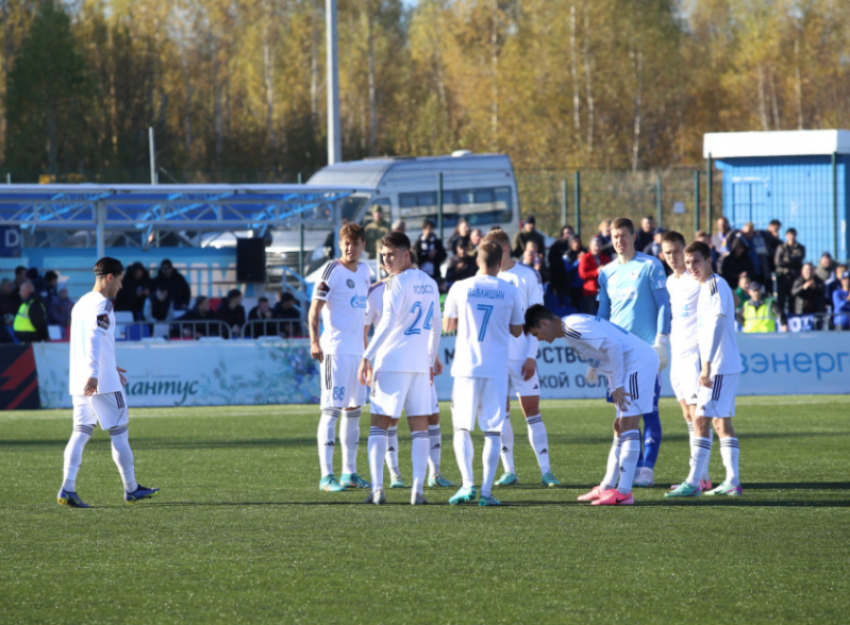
(488, 310)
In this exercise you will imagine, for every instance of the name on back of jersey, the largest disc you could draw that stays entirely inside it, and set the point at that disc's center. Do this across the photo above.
(485, 293)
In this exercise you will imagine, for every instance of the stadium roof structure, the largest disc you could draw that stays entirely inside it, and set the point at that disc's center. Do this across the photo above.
(201, 207)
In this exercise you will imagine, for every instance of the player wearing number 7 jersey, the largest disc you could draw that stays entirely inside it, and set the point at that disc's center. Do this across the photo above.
(485, 310)
(398, 364)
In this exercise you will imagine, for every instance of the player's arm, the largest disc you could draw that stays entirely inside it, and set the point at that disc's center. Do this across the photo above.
(663, 319)
(535, 296)
(715, 322)
(393, 298)
(450, 320)
(92, 341)
(613, 353)
(604, 311)
(434, 338)
(517, 316)
(313, 320)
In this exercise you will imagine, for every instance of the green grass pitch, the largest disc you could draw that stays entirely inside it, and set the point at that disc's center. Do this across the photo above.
(241, 533)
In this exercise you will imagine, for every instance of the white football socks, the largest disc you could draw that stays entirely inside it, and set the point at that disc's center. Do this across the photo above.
(539, 441)
(491, 461)
(729, 452)
(435, 450)
(392, 451)
(507, 450)
(612, 470)
(420, 444)
(123, 457)
(464, 454)
(629, 455)
(701, 453)
(690, 444)
(74, 455)
(377, 449)
(349, 434)
(326, 437)
(704, 475)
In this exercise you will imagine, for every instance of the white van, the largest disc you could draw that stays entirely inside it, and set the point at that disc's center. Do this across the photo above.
(478, 187)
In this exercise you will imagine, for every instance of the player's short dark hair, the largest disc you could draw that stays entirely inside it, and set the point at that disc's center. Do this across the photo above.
(499, 236)
(775, 222)
(623, 222)
(396, 239)
(263, 299)
(671, 236)
(234, 293)
(20, 269)
(427, 223)
(794, 230)
(491, 253)
(201, 299)
(51, 275)
(352, 232)
(535, 314)
(108, 265)
(698, 247)
(649, 217)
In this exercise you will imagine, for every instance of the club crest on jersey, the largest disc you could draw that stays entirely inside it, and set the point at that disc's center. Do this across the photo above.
(103, 321)
(349, 283)
(634, 274)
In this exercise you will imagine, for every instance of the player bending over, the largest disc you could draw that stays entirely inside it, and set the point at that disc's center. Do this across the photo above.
(403, 351)
(485, 310)
(340, 301)
(684, 343)
(95, 385)
(718, 379)
(630, 366)
(522, 370)
(374, 311)
(633, 295)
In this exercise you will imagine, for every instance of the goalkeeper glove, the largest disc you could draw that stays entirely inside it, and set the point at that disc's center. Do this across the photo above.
(660, 347)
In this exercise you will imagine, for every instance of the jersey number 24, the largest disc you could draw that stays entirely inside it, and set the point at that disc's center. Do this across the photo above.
(417, 308)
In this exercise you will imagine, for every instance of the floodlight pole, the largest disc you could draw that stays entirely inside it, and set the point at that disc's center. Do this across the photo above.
(152, 147)
(100, 228)
(334, 136)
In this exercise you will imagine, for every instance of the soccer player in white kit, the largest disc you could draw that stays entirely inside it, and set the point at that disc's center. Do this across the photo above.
(374, 311)
(340, 301)
(718, 378)
(684, 343)
(95, 384)
(398, 363)
(522, 370)
(630, 366)
(485, 310)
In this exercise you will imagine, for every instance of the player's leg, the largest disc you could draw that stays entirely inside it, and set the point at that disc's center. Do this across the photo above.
(651, 439)
(85, 421)
(612, 467)
(331, 402)
(491, 418)
(435, 439)
(465, 406)
(729, 446)
(537, 435)
(506, 441)
(418, 405)
(629, 428)
(114, 417)
(354, 396)
(377, 450)
(396, 480)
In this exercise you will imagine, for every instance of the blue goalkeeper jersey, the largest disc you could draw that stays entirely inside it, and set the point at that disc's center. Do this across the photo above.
(634, 296)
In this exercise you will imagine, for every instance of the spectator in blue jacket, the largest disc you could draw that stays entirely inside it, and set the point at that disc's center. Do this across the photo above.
(841, 303)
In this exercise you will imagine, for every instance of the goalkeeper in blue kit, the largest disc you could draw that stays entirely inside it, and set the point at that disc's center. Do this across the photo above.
(633, 295)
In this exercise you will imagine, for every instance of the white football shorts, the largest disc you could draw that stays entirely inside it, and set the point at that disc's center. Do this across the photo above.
(684, 376)
(718, 401)
(479, 398)
(108, 409)
(393, 392)
(641, 385)
(522, 387)
(340, 386)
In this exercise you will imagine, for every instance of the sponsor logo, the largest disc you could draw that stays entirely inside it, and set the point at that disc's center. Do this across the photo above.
(358, 301)
(545, 451)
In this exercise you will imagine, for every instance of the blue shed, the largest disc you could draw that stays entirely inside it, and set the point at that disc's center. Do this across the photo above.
(798, 177)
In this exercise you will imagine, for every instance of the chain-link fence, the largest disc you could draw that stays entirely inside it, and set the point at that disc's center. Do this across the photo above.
(141, 175)
(582, 199)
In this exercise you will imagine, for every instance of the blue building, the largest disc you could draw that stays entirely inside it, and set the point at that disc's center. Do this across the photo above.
(798, 177)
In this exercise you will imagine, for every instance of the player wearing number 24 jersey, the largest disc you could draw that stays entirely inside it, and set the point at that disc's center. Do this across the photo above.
(485, 311)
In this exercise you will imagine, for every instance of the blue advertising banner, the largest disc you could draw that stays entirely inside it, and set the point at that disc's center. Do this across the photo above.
(10, 242)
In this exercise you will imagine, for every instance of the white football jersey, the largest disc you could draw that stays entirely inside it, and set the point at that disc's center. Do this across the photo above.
(609, 348)
(717, 306)
(684, 295)
(344, 293)
(485, 307)
(93, 345)
(529, 284)
(375, 304)
(407, 338)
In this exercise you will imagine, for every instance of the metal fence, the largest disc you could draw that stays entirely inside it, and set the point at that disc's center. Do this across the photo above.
(181, 329)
